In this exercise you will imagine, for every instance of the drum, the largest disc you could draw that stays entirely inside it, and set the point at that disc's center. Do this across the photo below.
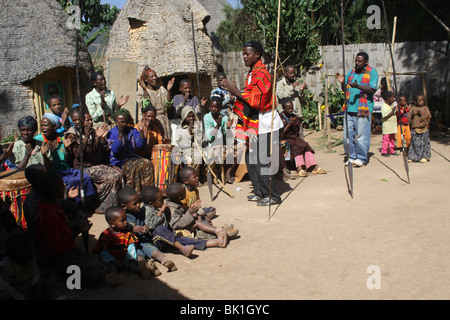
(14, 184)
(165, 169)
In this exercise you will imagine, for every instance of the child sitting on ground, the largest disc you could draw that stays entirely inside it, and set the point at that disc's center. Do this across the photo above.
(157, 215)
(189, 177)
(389, 124)
(419, 119)
(118, 248)
(188, 219)
(128, 200)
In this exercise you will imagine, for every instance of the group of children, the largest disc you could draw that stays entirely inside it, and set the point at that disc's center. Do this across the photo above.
(141, 227)
(408, 124)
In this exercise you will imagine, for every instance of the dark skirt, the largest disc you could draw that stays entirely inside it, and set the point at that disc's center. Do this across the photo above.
(107, 182)
(138, 173)
(420, 146)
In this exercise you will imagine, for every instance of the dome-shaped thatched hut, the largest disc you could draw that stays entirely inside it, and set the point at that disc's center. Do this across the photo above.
(158, 33)
(37, 51)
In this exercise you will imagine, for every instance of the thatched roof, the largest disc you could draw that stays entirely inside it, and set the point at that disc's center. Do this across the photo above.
(34, 38)
(158, 33)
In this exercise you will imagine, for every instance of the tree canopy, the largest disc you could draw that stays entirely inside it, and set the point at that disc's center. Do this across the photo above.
(93, 15)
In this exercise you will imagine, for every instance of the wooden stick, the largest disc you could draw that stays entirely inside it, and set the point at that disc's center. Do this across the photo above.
(212, 172)
(424, 90)
(434, 16)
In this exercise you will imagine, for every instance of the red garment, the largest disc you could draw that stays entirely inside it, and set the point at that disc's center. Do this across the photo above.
(404, 116)
(257, 96)
(53, 233)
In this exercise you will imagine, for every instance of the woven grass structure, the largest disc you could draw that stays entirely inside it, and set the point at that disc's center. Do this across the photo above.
(158, 33)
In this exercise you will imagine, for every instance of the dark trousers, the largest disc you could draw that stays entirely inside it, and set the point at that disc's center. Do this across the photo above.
(163, 236)
(262, 169)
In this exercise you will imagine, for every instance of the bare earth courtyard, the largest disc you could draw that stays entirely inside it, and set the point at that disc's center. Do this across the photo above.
(319, 243)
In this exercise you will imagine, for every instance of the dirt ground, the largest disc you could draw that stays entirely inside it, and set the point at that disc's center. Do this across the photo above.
(320, 243)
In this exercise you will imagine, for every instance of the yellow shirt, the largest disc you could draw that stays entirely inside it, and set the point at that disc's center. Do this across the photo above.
(191, 197)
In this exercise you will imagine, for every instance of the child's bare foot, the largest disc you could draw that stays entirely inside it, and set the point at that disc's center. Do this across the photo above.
(114, 279)
(169, 265)
(222, 237)
(231, 231)
(187, 250)
(151, 265)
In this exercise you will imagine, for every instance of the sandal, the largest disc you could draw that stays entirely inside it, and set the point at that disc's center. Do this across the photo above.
(319, 170)
(302, 173)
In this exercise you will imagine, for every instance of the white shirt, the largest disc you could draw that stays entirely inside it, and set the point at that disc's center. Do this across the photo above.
(265, 122)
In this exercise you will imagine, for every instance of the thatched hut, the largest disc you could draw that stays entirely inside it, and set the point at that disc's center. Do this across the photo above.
(158, 33)
(37, 51)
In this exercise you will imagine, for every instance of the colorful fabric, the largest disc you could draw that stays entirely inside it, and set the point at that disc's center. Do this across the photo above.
(153, 137)
(191, 197)
(419, 118)
(257, 98)
(116, 243)
(363, 109)
(57, 156)
(403, 117)
(357, 100)
(138, 173)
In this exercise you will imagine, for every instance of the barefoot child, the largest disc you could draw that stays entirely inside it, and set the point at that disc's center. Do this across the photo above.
(419, 119)
(188, 219)
(157, 215)
(128, 200)
(389, 124)
(118, 248)
(189, 178)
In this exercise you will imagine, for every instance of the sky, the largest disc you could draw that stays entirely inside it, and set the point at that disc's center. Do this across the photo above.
(120, 3)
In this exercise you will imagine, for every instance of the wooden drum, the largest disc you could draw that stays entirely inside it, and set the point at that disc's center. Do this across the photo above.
(165, 169)
(14, 184)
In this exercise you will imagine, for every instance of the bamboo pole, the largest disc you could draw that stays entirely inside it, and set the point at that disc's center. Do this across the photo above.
(424, 89)
(327, 112)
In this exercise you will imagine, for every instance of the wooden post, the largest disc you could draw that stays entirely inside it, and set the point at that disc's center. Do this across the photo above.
(424, 89)
(327, 112)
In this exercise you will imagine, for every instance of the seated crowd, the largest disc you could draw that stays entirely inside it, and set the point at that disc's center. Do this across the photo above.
(96, 159)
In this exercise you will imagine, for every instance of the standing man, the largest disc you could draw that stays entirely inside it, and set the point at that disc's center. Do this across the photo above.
(359, 86)
(289, 87)
(254, 109)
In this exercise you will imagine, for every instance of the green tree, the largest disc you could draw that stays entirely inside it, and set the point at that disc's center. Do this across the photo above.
(237, 28)
(299, 35)
(93, 15)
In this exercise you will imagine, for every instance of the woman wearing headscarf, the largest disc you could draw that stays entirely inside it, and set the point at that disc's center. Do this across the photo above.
(106, 178)
(185, 133)
(53, 146)
(27, 150)
(123, 141)
(150, 92)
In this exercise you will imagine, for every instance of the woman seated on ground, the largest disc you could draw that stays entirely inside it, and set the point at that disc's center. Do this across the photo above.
(123, 141)
(107, 179)
(152, 129)
(27, 150)
(300, 150)
(53, 146)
